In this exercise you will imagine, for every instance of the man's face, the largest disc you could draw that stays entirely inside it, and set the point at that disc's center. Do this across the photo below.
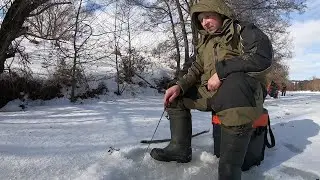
(210, 21)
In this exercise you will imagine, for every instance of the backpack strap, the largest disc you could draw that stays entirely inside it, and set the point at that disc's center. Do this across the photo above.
(273, 143)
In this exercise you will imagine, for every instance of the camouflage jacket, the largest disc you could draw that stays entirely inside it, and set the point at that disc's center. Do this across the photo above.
(237, 47)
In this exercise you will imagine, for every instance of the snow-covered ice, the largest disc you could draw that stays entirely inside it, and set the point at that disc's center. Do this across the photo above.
(100, 139)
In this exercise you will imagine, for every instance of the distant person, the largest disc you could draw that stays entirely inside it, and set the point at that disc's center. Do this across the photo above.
(228, 78)
(273, 89)
(284, 89)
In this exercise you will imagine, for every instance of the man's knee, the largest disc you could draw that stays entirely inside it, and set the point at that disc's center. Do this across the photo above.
(237, 90)
(238, 84)
(237, 75)
(192, 99)
(237, 80)
(176, 103)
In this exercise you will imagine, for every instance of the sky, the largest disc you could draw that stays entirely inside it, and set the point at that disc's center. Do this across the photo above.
(99, 139)
(305, 33)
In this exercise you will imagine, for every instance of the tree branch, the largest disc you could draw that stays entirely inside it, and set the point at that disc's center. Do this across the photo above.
(150, 85)
(60, 48)
(47, 7)
(22, 32)
(137, 2)
(86, 37)
(41, 37)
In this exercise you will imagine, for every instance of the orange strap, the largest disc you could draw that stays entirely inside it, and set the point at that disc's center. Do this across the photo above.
(215, 120)
(260, 122)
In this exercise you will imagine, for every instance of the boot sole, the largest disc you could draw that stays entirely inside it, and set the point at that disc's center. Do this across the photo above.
(173, 158)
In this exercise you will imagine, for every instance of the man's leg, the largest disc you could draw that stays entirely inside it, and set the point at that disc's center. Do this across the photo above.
(233, 148)
(179, 148)
(237, 103)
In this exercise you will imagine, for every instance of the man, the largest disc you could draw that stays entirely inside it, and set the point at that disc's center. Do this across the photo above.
(273, 89)
(228, 78)
(284, 89)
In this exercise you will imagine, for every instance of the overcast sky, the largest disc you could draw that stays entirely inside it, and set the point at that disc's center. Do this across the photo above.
(305, 32)
(305, 35)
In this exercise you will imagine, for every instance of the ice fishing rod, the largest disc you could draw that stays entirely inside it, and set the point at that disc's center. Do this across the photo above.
(140, 164)
(164, 110)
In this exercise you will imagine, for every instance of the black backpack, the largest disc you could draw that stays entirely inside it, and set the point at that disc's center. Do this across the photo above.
(258, 142)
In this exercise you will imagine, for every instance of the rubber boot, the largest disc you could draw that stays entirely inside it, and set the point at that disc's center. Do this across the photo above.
(233, 148)
(179, 148)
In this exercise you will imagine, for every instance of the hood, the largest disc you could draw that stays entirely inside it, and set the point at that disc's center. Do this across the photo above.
(218, 6)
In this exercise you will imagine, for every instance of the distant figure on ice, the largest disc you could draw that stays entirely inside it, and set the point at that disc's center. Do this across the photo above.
(273, 89)
(227, 77)
(284, 89)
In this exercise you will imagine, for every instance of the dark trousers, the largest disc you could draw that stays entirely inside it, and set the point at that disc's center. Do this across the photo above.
(233, 148)
(237, 99)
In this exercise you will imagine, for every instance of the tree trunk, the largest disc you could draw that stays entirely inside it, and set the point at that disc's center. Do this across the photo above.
(176, 42)
(11, 26)
(184, 34)
(195, 38)
(74, 68)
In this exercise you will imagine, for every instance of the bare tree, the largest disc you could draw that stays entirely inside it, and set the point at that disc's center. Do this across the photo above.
(75, 56)
(116, 50)
(184, 34)
(161, 12)
(54, 23)
(129, 61)
(12, 25)
(75, 47)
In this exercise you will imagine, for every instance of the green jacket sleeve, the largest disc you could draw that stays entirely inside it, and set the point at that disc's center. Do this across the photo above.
(186, 65)
(257, 54)
(193, 74)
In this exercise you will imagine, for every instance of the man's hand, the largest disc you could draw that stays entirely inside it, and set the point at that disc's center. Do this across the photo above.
(214, 82)
(171, 94)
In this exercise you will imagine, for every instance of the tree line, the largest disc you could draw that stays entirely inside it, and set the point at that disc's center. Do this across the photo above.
(75, 38)
(305, 85)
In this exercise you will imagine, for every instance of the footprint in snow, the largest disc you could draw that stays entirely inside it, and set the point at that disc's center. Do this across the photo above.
(292, 148)
(294, 172)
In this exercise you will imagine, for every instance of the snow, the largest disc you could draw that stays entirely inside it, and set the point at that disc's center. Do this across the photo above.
(100, 139)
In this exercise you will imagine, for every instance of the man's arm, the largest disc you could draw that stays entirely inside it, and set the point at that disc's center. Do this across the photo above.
(193, 74)
(257, 56)
(186, 65)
